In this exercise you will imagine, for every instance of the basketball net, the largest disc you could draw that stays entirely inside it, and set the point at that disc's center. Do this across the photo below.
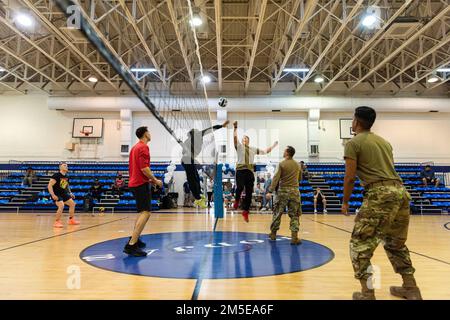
(85, 133)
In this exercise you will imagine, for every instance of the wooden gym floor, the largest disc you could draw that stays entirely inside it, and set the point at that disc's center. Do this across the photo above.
(35, 259)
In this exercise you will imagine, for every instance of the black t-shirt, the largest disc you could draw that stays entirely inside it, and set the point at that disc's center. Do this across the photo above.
(62, 184)
(96, 189)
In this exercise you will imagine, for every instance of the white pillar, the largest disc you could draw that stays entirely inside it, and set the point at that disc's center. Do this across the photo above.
(126, 127)
(313, 132)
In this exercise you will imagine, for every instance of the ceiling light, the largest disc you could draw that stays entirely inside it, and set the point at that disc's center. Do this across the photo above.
(143, 69)
(319, 79)
(206, 79)
(24, 19)
(296, 70)
(433, 78)
(443, 70)
(93, 79)
(196, 20)
(369, 20)
(2, 69)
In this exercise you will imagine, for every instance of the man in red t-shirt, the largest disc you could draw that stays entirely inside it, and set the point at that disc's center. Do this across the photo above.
(139, 183)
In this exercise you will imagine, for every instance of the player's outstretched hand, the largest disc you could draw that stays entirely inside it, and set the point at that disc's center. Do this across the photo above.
(159, 183)
(226, 123)
(235, 124)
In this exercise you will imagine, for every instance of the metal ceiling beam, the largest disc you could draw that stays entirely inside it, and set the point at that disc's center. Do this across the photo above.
(218, 14)
(262, 13)
(7, 51)
(45, 53)
(184, 53)
(344, 23)
(66, 42)
(149, 53)
(425, 75)
(432, 50)
(309, 11)
(284, 38)
(413, 38)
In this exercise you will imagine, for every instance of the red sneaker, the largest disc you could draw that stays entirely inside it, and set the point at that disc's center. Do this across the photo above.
(73, 222)
(236, 204)
(58, 224)
(245, 215)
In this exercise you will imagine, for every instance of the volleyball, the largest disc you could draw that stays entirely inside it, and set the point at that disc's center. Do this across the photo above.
(223, 102)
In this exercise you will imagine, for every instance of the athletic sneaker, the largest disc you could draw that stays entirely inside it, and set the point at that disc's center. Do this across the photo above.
(134, 250)
(325, 211)
(315, 211)
(236, 204)
(58, 224)
(201, 203)
(73, 222)
(139, 243)
(245, 215)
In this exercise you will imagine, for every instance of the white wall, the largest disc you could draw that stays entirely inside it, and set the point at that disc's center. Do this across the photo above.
(266, 128)
(415, 137)
(30, 131)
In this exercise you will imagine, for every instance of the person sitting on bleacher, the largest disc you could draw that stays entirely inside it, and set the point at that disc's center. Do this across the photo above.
(187, 195)
(305, 173)
(29, 177)
(320, 197)
(428, 176)
(96, 190)
(118, 186)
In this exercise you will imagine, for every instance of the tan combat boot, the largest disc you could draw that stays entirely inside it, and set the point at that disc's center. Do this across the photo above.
(366, 293)
(408, 290)
(273, 236)
(294, 238)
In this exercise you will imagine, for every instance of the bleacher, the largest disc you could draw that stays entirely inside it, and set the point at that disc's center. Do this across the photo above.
(330, 179)
(328, 176)
(82, 176)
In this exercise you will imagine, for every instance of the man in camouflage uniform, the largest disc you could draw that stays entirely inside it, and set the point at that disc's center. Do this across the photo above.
(384, 214)
(287, 177)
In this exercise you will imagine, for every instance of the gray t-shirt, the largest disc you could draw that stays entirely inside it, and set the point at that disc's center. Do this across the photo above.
(245, 157)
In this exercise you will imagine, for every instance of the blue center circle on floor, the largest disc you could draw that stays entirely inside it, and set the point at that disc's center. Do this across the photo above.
(208, 255)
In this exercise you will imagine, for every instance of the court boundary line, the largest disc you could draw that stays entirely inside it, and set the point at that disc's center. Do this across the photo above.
(62, 234)
(417, 253)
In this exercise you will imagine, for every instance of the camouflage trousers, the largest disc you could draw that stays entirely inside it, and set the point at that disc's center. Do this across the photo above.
(290, 198)
(383, 217)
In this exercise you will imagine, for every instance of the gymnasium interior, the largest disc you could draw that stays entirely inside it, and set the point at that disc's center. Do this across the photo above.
(78, 77)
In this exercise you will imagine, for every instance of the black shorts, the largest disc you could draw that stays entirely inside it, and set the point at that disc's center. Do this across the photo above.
(63, 197)
(143, 197)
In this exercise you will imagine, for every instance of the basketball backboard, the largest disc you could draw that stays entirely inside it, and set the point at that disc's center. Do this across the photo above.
(87, 128)
(345, 128)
